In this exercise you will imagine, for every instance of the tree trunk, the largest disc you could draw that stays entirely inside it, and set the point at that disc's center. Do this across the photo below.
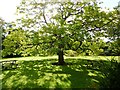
(60, 52)
(61, 57)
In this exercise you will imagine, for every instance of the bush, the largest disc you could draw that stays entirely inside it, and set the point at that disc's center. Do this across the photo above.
(71, 53)
(111, 73)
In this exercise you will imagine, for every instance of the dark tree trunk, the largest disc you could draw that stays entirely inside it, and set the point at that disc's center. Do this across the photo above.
(61, 57)
(60, 52)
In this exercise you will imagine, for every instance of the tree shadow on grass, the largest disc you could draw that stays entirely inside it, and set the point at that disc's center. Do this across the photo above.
(78, 77)
(42, 74)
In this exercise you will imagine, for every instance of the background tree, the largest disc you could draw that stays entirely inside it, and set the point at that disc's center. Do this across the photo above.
(13, 43)
(2, 36)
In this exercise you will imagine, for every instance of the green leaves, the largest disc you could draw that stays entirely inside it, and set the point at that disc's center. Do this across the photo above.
(71, 25)
(14, 42)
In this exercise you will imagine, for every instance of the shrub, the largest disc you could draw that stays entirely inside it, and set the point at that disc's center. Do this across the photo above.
(111, 73)
(71, 53)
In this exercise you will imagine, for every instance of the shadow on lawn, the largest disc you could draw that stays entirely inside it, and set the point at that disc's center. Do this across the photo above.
(42, 74)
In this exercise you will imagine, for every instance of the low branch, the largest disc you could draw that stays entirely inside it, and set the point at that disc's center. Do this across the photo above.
(42, 43)
(70, 13)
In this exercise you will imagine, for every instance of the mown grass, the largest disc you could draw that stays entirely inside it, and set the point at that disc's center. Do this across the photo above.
(55, 57)
(40, 73)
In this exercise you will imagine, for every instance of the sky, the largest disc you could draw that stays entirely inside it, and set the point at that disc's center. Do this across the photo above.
(8, 8)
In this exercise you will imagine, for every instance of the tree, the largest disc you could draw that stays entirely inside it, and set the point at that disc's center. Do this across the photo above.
(2, 34)
(13, 43)
(2, 23)
(113, 33)
(63, 25)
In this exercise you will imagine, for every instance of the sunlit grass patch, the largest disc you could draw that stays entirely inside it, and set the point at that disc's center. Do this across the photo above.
(42, 74)
(66, 57)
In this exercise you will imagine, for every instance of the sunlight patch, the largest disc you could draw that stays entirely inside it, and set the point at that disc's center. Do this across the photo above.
(22, 80)
(95, 80)
(9, 83)
(54, 80)
(91, 74)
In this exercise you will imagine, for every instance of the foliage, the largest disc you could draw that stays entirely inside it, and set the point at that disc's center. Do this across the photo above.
(70, 53)
(111, 73)
(14, 43)
(68, 26)
(2, 29)
(73, 27)
(115, 47)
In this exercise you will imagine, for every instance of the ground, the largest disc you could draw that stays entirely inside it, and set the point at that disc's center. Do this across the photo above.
(38, 72)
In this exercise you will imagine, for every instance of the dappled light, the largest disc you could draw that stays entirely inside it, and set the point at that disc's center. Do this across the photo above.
(42, 74)
(60, 45)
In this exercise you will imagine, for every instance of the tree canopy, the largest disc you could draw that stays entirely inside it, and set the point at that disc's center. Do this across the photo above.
(55, 27)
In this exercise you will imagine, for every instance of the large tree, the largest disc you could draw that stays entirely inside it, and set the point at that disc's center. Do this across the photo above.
(63, 25)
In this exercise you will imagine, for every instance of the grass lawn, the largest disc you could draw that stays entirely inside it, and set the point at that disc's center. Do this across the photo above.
(38, 72)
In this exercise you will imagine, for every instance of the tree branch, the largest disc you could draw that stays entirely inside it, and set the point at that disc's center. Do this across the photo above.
(44, 16)
(102, 25)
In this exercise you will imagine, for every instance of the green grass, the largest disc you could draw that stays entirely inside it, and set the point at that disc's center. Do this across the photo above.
(55, 57)
(38, 72)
